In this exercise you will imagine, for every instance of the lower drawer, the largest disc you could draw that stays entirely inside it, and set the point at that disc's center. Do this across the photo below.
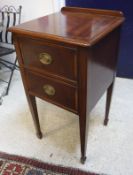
(52, 90)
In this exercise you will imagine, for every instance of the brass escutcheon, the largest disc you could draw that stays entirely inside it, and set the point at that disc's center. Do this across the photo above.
(49, 90)
(45, 58)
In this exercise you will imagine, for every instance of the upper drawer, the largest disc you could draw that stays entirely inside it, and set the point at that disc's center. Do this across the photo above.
(50, 58)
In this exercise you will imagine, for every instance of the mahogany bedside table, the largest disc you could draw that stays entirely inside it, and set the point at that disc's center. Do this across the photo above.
(69, 59)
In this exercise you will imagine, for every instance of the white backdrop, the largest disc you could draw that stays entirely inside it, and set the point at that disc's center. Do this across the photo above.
(34, 8)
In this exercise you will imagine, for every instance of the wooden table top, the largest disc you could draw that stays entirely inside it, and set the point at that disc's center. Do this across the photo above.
(77, 26)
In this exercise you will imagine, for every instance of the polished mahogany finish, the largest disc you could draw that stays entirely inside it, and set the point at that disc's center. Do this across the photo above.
(69, 59)
(63, 59)
(73, 26)
(64, 94)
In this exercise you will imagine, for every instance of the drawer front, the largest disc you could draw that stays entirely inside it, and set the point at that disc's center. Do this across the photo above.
(50, 58)
(54, 91)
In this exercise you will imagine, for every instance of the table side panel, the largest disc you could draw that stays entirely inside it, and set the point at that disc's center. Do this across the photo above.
(102, 67)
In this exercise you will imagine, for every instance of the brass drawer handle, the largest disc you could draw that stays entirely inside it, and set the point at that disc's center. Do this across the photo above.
(49, 90)
(45, 58)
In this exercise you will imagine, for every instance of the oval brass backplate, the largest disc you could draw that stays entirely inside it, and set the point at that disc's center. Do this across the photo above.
(49, 90)
(45, 58)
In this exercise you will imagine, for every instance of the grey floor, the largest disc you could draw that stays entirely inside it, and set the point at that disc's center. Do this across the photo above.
(110, 149)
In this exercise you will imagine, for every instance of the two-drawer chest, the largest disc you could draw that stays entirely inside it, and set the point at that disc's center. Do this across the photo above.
(69, 59)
